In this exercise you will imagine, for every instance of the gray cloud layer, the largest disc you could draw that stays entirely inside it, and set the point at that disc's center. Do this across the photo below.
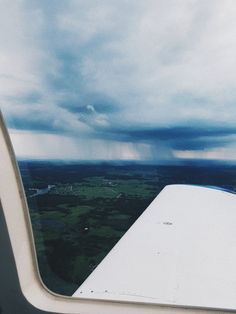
(136, 71)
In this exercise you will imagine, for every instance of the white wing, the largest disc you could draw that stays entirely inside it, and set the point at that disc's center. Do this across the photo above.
(182, 250)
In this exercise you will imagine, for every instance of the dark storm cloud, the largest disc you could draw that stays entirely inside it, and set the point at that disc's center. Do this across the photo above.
(199, 143)
(178, 132)
(34, 124)
(178, 137)
(100, 103)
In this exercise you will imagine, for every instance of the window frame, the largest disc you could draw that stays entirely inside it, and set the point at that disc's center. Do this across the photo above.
(19, 228)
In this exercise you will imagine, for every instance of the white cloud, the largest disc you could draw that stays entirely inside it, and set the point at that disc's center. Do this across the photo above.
(166, 50)
(20, 53)
(220, 154)
(51, 146)
(161, 63)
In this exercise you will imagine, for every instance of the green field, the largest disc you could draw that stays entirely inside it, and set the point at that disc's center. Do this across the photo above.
(88, 208)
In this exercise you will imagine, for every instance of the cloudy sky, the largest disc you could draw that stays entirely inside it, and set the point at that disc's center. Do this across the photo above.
(145, 80)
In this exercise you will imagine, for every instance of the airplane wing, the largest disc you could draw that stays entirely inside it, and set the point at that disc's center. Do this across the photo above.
(181, 250)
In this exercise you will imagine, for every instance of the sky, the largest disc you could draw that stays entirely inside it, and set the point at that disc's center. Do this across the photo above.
(143, 80)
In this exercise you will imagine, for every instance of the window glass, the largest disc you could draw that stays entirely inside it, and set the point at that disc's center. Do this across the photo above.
(79, 210)
(106, 103)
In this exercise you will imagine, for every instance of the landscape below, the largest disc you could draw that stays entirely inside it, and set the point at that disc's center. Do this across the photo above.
(80, 211)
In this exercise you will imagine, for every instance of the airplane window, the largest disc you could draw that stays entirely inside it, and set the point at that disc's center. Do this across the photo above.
(107, 103)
